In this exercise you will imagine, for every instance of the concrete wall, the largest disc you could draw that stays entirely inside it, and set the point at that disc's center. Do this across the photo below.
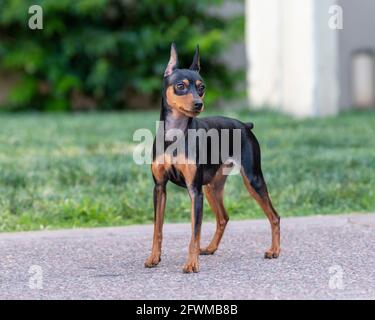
(296, 62)
(263, 43)
(298, 57)
(292, 53)
(327, 89)
(292, 56)
(358, 33)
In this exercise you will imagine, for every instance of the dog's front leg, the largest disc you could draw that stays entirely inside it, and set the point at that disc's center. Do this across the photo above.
(196, 195)
(160, 196)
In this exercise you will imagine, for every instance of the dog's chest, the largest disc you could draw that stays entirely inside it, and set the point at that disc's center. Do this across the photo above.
(178, 169)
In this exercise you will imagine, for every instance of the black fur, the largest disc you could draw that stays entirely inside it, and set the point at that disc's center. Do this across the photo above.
(205, 173)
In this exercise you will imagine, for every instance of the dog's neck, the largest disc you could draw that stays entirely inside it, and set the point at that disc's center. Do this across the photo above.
(173, 120)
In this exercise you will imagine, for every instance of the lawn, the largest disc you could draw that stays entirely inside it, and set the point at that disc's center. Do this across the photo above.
(76, 170)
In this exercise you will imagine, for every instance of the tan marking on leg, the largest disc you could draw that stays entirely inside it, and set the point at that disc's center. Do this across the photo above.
(158, 167)
(154, 258)
(214, 192)
(188, 169)
(192, 263)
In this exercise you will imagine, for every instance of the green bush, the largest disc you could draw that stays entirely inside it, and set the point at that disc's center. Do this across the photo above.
(109, 54)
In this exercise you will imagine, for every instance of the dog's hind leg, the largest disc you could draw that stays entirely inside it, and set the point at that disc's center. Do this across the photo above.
(256, 186)
(254, 181)
(214, 194)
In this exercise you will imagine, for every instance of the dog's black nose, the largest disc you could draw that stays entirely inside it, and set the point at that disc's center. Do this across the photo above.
(198, 106)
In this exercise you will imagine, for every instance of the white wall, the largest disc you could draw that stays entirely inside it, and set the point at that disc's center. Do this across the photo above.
(292, 56)
(327, 85)
(263, 42)
(358, 33)
(298, 59)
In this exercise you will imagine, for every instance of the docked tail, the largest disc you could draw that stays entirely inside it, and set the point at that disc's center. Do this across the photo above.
(249, 125)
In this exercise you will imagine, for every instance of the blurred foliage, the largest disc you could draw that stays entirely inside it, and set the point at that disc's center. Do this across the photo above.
(109, 54)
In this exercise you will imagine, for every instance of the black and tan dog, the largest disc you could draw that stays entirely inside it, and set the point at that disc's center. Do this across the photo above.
(182, 101)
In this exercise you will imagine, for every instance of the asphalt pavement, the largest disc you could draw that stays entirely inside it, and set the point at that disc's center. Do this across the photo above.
(322, 257)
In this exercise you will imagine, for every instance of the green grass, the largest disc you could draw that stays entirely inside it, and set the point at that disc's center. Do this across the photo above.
(64, 170)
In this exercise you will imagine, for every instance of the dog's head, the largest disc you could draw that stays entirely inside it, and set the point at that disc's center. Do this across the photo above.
(184, 88)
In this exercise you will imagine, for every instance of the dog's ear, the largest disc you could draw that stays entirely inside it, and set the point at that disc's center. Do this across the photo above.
(173, 61)
(196, 65)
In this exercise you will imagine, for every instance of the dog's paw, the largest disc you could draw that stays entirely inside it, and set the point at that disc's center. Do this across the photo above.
(152, 261)
(191, 266)
(271, 254)
(207, 251)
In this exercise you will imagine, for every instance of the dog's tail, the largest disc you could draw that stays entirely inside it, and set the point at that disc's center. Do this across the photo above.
(249, 125)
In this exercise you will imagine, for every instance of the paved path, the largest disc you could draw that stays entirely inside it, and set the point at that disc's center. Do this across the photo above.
(107, 263)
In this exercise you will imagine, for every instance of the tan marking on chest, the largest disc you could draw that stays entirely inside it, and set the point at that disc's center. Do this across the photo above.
(160, 166)
(187, 168)
(163, 163)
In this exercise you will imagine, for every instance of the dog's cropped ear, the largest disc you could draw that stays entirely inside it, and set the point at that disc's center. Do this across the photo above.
(173, 61)
(196, 65)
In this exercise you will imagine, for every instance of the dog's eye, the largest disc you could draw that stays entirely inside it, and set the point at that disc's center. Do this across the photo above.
(201, 88)
(180, 86)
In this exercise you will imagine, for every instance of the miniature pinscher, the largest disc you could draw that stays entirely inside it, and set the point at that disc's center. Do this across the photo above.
(182, 102)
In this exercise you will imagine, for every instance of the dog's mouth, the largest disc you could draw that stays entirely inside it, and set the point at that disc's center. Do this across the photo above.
(190, 113)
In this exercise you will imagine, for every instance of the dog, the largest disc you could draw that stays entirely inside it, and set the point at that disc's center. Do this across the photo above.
(182, 101)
